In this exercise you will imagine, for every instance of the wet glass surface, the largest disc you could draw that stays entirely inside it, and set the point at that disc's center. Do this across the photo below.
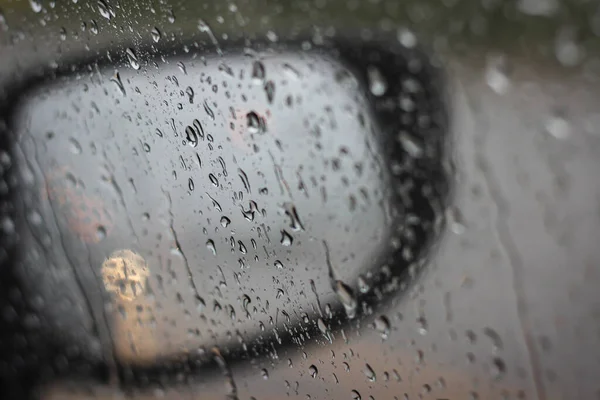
(270, 199)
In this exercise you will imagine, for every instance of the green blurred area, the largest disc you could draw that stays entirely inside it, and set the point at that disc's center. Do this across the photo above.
(458, 25)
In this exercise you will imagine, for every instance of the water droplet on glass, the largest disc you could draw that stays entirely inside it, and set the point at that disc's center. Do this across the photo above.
(496, 74)
(406, 38)
(132, 58)
(382, 325)
(213, 179)
(191, 184)
(558, 126)
(494, 337)
(225, 222)
(498, 368)
(35, 5)
(191, 137)
(292, 213)
(265, 374)
(455, 220)
(100, 232)
(377, 83)
(190, 93)
(286, 239)
(355, 395)
(410, 144)
(104, 9)
(313, 371)
(270, 91)
(74, 146)
(258, 72)
(568, 52)
(156, 35)
(346, 296)
(422, 325)
(538, 8)
(181, 67)
(205, 28)
(208, 110)
(116, 79)
(278, 264)
(362, 284)
(255, 123)
(210, 244)
(369, 373)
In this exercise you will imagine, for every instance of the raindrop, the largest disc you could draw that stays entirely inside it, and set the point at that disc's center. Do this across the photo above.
(100, 232)
(209, 110)
(498, 368)
(270, 91)
(199, 129)
(291, 71)
(74, 146)
(355, 395)
(369, 373)
(117, 81)
(258, 72)
(313, 371)
(191, 136)
(156, 35)
(410, 145)
(292, 213)
(422, 325)
(213, 179)
(242, 247)
(568, 52)
(211, 246)
(455, 220)
(190, 93)
(265, 374)
(146, 147)
(190, 184)
(200, 303)
(496, 74)
(496, 340)
(181, 66)
(205, 28)
(223, 166)
(346, 296)
(36, 5)
(7, 225)
(225, 221)
(539, 8)
(244, 179)
(406, 38)
(377, 83)
(104, 9)
(34, 217)
(558, 126)
(382, 325)
(255, 123)
(132, 58)
(363, 285)
(159, 133)
(286, 239)
(321, 325)
(278, 264)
